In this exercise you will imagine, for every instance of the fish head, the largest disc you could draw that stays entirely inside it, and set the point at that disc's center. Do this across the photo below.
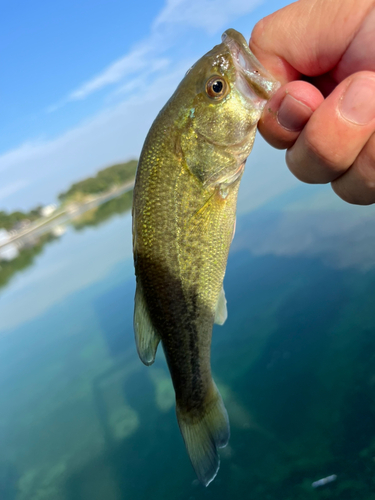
(224, 95)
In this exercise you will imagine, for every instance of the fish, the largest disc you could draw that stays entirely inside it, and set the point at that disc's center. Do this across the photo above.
(184, 209)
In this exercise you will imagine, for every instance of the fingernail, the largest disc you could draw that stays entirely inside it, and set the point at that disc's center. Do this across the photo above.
(293, 114)
(358, 102)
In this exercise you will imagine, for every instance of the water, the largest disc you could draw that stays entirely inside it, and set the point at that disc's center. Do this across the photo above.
(82, 419)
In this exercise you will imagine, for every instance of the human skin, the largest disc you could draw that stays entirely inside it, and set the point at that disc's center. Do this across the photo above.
(323, 53)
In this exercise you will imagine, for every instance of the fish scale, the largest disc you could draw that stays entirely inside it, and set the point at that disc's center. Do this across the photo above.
(184, 209)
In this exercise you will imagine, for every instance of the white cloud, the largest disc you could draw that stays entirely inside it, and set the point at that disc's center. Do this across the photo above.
(54, 107)
(179, 16)
(143, 80)
(142, 60)
(267, 175)
(119, 71)
(12, 188)
(30, 294)
(211, 15)
(133, 62)
(340, 238)
(115, 134)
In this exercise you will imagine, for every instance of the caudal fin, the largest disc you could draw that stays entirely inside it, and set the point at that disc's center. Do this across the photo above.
(203, 435)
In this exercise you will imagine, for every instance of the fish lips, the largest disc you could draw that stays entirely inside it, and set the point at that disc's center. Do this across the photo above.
(253, 80)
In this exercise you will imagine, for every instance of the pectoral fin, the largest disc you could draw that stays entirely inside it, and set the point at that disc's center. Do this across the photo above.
(146, 338)
(234, 228)
(221, 312)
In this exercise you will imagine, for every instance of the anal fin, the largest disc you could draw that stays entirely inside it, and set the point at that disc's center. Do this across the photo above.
(221, 312)
(146, 338)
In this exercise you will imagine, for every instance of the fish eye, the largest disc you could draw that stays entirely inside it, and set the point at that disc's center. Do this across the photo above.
(216, 87)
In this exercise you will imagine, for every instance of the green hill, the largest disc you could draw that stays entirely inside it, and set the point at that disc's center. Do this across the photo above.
(105, 179)
(8, 220)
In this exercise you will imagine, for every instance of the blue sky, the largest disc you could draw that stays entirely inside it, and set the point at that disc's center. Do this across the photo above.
(83, 81)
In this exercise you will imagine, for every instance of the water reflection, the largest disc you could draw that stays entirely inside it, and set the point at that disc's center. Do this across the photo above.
(20, 254)
(340, 238)
(17, 257)
(102, 213)
(82, 418)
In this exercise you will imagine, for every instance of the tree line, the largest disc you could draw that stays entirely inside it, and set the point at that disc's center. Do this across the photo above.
(115, 175)
(94, 217)
(8, 220)
(105, 179)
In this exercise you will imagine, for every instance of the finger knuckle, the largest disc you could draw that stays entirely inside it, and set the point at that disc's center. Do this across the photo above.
(320, 151)
(313, 162)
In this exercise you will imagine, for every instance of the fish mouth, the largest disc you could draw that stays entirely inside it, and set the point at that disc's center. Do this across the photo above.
(253, 79)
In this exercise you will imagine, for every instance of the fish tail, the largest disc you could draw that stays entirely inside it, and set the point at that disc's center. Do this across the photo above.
(205, 433)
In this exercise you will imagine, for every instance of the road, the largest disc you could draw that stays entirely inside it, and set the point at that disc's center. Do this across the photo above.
(63, 214)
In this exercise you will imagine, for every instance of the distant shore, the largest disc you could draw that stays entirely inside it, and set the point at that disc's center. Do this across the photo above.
(67, 211)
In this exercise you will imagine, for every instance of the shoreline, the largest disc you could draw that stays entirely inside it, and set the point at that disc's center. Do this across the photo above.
(67, 212)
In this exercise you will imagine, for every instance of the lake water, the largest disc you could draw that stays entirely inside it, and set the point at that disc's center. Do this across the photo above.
(81, 418)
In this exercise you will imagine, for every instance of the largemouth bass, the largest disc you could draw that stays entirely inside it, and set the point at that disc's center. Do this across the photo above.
(184, 208)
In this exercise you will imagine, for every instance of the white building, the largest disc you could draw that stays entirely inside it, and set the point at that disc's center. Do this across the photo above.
(58, 230)
(47, 210)
(4, 236)
(9, 252)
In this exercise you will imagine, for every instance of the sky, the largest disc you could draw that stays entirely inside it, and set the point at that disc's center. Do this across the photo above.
(83, 81)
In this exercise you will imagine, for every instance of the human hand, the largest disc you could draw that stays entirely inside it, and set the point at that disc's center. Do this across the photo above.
(323, 53)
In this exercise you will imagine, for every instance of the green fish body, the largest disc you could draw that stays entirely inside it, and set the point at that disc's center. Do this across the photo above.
(184, 209)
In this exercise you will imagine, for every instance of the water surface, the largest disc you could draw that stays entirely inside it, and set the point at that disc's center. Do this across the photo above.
(82, 419)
